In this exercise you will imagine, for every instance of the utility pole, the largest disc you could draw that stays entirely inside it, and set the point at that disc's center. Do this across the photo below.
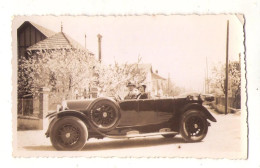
(85, 41)
(226, 81)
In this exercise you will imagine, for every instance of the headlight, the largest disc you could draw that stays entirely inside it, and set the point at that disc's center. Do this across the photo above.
(58, 108)
(64, 105)
(191, 97)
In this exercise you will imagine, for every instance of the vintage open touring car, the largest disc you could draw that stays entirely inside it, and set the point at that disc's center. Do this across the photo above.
(78, 120)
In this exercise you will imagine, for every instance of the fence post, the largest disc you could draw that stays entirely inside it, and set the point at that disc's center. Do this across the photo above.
(43, 105)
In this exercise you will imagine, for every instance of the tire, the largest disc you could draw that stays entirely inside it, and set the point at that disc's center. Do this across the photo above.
(69, 134)
(104, 115)
(169, 135)
(194, 126)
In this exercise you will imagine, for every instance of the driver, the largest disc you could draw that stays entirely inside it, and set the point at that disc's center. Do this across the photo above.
(132, 94)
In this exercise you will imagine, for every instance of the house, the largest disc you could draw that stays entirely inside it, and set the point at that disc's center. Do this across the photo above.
(58, 41)
(156, 85)
(61, 41)
(159, 85)
(32, 37)
(29, 34)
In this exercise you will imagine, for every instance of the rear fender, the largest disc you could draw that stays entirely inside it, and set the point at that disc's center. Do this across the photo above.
(201, 108)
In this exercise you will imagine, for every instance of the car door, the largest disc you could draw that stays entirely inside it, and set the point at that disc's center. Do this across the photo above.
(138, 112)
(164, 109)
(147, 112)
(129, 112)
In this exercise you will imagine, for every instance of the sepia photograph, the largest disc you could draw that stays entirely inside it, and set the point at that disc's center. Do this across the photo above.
(129, 86)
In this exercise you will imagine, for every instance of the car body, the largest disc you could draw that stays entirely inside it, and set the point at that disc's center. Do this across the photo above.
(78, 120)
(204, 97)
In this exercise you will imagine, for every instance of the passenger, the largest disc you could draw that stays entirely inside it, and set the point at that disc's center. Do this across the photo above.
(142, 94)
(132, 94)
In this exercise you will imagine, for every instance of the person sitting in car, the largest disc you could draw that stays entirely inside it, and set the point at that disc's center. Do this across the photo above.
(132, 94)
(142, 94)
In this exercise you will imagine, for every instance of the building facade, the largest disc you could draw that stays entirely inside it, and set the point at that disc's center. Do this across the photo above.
(156, 85)
(32, 37)
(29, 34)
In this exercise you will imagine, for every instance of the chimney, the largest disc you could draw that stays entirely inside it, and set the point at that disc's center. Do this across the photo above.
(99, 47)
(61, 27)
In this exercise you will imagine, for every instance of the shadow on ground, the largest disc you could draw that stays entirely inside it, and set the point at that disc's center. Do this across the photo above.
(117, 144)
(131, 143)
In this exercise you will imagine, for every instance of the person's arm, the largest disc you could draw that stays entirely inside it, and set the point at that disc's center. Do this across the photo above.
(138, 96)
(127, 97)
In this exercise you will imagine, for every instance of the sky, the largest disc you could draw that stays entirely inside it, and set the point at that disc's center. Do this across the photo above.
(176, 45)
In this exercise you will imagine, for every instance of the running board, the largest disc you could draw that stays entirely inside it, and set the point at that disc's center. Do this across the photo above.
(140, 135)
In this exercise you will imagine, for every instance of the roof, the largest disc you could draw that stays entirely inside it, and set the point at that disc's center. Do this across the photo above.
(147, 68)
(43, 30)
(156, 76)
(57, 41)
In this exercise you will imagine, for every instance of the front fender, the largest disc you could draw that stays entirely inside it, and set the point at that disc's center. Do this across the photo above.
(55, 116)
(201, 108)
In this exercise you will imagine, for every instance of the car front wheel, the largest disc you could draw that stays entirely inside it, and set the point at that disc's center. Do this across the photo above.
(68, 134)
(194, 126)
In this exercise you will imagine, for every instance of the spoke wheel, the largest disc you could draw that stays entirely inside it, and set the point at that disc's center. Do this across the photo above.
(104, 115)
(69, 133)
(194, 126)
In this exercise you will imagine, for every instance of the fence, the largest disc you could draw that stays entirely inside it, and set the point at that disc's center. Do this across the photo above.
(32, 110)
(28, 106)
(232, 102)
(25, 106)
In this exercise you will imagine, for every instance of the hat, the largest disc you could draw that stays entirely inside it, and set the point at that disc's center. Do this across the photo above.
(130, 84)
(142, 84)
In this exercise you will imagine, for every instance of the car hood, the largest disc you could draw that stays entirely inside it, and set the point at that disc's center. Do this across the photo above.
(78, 104)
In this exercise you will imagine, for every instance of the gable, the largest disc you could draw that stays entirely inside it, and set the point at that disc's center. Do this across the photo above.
(29, 34)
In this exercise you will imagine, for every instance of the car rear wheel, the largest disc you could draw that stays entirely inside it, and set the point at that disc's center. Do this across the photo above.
(194, 126)
(68, 134)
(104, 115)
